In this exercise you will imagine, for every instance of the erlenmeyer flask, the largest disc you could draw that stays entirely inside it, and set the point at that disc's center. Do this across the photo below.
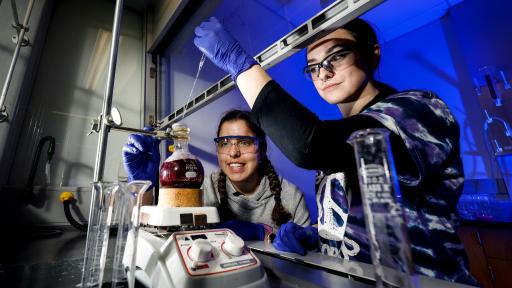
(381, 197)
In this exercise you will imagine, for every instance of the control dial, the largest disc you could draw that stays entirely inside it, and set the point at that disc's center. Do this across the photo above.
(201, 250)
(233, 245)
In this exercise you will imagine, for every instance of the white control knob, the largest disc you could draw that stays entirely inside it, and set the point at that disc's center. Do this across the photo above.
(201, 250)
(233, 245)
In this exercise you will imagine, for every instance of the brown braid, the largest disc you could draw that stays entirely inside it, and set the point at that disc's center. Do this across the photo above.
(279, 213)
(225, 213)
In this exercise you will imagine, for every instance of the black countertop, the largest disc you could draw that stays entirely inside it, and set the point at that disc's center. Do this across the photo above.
(54, 258)
(41, 257)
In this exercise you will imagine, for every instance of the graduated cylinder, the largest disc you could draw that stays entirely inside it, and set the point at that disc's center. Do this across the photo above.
(381, 197)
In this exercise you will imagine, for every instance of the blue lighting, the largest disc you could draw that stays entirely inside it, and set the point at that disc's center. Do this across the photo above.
(435, 45)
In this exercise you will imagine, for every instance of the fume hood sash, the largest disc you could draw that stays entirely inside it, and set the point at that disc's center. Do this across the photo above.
(335, 15)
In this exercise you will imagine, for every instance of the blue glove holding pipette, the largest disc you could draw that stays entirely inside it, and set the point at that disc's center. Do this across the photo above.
(221, 48)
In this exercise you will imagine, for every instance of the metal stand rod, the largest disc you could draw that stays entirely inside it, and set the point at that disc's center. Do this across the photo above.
(140, 131)
(162, 135)
(21, 36)
(107, 99)
(15, 13)
(103, 133)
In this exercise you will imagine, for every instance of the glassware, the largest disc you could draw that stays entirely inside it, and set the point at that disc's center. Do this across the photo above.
(181, 174)
(116, 206)
(381, 197)
(128, 217)
(484, 212)
(465, 207)
(495, 81)
(493, 88)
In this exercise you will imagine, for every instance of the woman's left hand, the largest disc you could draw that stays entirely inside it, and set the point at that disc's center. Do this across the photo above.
(294, 238)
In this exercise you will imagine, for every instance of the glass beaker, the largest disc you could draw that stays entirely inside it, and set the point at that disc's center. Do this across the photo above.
(381, 197)
(115, 206)
(128, 216)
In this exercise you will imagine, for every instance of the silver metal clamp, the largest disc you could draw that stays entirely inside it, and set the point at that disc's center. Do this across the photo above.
(3, 114)
(114, 121)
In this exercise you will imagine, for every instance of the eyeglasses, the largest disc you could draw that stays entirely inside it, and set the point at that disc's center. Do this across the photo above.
(336, 61)
(245, 144)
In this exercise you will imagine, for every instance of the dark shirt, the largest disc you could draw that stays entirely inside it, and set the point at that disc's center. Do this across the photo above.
(315, 144)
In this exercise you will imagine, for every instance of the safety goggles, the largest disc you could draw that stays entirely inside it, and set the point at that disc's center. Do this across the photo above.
(244, 144)
(335, 62)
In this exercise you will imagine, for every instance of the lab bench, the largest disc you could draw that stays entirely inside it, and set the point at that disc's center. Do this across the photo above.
(54, 257)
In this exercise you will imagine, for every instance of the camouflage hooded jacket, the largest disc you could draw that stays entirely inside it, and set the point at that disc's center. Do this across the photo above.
(431, 136)
(425, 139)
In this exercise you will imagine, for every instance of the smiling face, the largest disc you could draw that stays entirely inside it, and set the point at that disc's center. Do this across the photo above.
(348, 78)
(241, 169)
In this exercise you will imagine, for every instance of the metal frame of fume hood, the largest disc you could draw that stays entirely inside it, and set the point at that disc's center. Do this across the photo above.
(338, 13)
(21, 29)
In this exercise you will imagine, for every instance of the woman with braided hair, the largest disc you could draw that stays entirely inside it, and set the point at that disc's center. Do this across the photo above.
(251, 198)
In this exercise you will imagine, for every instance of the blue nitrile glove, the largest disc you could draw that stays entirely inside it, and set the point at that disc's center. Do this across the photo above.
(295, 238)
(308, 237)
(246, 230)
(221, 48)
(141, 157)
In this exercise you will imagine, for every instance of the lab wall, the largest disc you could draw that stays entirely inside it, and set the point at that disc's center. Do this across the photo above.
(444, 56)
(23, 74)
(484, 31)
(19, 88)
(67, 95)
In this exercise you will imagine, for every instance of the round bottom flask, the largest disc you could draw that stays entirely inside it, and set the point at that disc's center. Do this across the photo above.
(181, 174)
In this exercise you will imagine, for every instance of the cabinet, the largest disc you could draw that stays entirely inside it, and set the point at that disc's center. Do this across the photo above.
(489, 249)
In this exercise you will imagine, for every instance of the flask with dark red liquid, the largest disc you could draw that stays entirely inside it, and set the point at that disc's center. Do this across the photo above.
(181, 174)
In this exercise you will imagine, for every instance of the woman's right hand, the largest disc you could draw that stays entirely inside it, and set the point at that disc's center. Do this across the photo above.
(141, 157)
(221, 48)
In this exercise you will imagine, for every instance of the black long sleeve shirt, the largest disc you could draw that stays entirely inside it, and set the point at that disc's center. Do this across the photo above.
(311, 143)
